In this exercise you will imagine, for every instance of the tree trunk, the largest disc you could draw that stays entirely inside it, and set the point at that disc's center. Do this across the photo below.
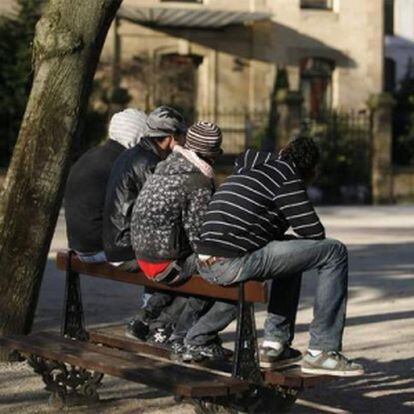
(67, 45)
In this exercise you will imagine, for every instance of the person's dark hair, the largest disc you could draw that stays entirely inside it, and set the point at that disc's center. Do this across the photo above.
(304, 152)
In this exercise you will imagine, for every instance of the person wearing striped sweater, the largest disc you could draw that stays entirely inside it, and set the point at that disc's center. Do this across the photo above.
(244, 237)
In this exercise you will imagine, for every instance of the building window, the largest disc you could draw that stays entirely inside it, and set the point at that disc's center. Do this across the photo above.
(316, 85)
(316, 4)
(389, 17)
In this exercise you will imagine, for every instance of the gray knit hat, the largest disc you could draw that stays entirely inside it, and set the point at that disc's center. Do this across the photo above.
(164, 121)
(204, 138)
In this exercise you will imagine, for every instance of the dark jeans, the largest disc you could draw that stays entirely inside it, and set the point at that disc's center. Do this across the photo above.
(158, 308)
(203, 319)
(170, 312)
(282, 308)
(217, 317)
(129, 266)
(157, 302)
(196, 320)
(283, 260)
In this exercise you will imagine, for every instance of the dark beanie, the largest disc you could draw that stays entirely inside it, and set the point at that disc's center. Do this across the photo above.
(204, 138)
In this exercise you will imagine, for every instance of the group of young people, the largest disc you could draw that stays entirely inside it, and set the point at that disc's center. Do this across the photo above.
(146, 200)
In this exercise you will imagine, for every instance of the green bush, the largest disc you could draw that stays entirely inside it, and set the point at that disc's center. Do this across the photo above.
(16, 36)
(344, 142)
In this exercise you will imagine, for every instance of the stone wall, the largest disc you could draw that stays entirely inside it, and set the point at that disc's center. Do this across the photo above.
(403, 184)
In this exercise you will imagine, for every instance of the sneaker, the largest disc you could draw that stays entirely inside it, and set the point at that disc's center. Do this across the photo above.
(177, 349)
(331, 363)
(192, 353)
(213, 351)
(278, 358)
(159, 336)
(216, 351)
(137, 329)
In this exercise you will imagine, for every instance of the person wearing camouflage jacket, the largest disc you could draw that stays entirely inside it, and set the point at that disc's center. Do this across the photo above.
(166, 223)
(168, 214)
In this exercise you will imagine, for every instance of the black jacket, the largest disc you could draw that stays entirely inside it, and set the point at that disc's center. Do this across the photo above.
(127, 178)
(85, 196)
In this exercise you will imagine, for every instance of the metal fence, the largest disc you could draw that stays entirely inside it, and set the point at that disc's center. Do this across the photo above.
(344, 139)
(240, 130)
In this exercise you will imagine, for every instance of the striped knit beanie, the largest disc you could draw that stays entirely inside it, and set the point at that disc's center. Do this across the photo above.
(127, 127)
(204, 138)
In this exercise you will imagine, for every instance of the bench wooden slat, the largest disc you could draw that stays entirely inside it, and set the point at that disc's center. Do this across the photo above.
(113, 336)
(130, 355)
(177, 379)
(307, 380)
(254, 291)
(118, 340)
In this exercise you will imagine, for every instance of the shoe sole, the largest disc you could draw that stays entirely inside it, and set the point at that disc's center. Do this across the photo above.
(321, 371)
(188, 359)
(280, 364)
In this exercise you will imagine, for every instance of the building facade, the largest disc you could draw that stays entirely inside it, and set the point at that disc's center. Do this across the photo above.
(228, 51)
(399, 40)
(333, 50)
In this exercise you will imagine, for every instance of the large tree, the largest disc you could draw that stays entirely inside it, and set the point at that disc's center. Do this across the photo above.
(67, 44)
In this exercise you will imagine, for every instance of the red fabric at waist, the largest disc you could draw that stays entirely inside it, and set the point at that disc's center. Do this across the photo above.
(153, 269)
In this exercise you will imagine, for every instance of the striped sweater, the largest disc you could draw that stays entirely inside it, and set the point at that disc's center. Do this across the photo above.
(257, 204)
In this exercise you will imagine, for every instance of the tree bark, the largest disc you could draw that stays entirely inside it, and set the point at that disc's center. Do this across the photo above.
(67, 45)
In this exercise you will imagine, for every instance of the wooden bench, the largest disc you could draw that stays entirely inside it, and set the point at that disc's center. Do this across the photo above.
(72, 364)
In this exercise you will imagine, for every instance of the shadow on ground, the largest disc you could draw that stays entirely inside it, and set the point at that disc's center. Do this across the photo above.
(387, 387)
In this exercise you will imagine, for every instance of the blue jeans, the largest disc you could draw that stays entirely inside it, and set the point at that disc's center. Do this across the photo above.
(98, 257)
(285, 260)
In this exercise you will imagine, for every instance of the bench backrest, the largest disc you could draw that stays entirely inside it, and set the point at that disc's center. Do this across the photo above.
(253, 291)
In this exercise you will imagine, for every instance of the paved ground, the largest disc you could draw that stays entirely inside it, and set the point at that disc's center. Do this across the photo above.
(380, 330)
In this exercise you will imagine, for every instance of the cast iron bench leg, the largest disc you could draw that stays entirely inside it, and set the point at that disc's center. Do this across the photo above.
(246, 357)
(245, 365)
(260, 398)
(73, 325)
(69, 385)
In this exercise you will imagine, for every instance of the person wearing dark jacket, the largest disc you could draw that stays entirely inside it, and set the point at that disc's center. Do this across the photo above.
(166, 223)
(164, 128)
(243, 238)
(86, 185)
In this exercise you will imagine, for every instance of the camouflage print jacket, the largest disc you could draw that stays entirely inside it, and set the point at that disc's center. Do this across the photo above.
(168, 213)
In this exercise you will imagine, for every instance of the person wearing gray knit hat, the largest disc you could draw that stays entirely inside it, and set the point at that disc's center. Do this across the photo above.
(88, 178)
(164, 121)
(205, 139)
(128, 127)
